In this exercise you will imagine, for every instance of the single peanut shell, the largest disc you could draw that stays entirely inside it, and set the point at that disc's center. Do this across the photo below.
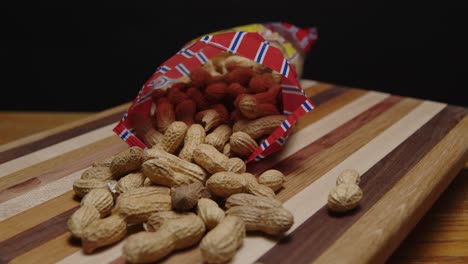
(99, 173)
(221, 243)
(156, 220)
(144, 191)
(101, 199)
(242, 144)
(247, 199)
(146, 247)
(161, 173)
(257, 189)
(103, 232)
(81, 218)
(272, 221)
(227, 150)
(272, 178)
(174, 137)
(262, 126)
(348, 176)
(194, 137)
(344, 197)
(195, 172)
(83, 186)
(130, 181)
(209, 158)
(209, 211)
(236, 165)
(219, 137)
(209, 119)
(185, 197)
(225, 184)
(104, 162)
(126, 161)
(138, 209)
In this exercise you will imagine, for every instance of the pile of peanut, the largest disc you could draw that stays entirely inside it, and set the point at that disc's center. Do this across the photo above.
(191, 186)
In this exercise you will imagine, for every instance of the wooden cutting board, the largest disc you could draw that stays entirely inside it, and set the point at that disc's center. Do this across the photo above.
(407, 150)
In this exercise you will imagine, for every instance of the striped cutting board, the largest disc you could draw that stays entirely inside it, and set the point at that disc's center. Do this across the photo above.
(408, 151)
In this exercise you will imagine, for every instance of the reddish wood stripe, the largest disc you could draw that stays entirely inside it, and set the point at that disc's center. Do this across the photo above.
(31, 238)
(19, 151)
(315, 235)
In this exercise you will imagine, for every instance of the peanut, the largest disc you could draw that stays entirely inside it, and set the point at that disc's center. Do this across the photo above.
(175, 94)
(200, 77)
(249, 108)
(210, 158)
(240, 199)
(194, 137)
(242, 144)
(144, 191)
(262, 126)
(81, 218)
(236, 165)
(138, 209)
(209, 211)
(146, 247)
(257, 189)
(241, 75)
(209, 119)
(164, 114)
(215, 92)
(221, 243)
(156, 220)
(185, 111)
(235, 89)
(344, 197)
(159, 172)
(198, 98)
(99, 173)
(84, 186)
(101, 199)
(195, 172)
(272, 221)
(348, 176)
(103, 232)
(186, 196)
(104, 162)
(227, 150)
(147, 182)
(130, 181)
(272, 178)
(224, 184)
(173, 137)
(261, 83)
(126, 161)
(219, 137)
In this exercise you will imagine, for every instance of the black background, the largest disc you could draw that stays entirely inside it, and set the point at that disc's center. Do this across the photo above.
(76, 59)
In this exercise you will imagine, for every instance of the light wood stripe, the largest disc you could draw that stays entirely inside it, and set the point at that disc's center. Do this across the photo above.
(55, 150)
(411, 196)
(361, 160)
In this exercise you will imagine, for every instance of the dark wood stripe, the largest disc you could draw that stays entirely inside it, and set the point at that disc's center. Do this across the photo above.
(325, 142)
(27, 240)
(22, 150)
(317, 233)
(328, 94)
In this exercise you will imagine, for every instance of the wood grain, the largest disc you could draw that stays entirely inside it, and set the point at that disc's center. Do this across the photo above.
(16, 125)
(321, 230)
(328, 138)
(392, 217)
(37, 141)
